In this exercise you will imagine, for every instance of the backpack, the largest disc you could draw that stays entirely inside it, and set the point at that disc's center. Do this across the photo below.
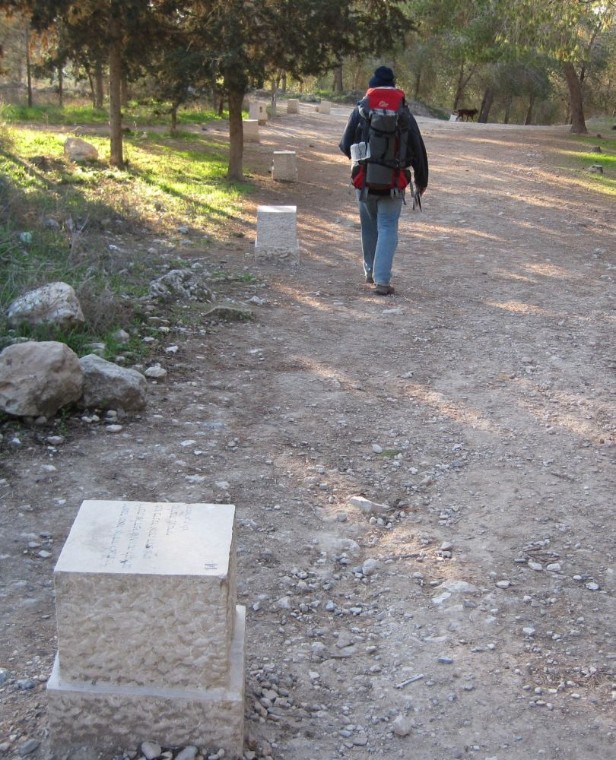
(385, 125)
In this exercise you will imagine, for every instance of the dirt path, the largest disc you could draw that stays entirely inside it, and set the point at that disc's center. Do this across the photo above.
(475, 617)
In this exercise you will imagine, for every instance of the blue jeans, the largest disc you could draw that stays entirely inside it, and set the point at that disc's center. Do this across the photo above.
(379, 215)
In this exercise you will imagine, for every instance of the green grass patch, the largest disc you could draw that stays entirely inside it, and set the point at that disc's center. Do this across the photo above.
(93, 226)
(74, 114)
(588, 151)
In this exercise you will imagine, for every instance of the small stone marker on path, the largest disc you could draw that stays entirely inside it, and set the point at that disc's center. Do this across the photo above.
(284, 168)
(150, 640)
(277, 233)
(293, 105)
(324, 107)
(258, 110)
(251, 131)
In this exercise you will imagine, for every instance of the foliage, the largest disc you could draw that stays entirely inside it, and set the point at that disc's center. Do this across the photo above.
(449, 52)
(84, 224)
(490, 43)
(240, 44)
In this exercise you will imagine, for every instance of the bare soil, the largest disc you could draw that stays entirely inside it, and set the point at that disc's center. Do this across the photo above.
(477, 404)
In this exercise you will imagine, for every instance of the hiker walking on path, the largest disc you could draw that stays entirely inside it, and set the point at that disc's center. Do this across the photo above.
(384, 142)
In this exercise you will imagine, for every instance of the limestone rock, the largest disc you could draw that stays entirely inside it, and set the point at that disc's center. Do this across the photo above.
(76, 149)
(156, 372)
(151, 750)
(228, 313)
(402, 726)
(108, 386)
(55, 303)
(184, 284)
(37, 379)
(367, 506)
(188, 753)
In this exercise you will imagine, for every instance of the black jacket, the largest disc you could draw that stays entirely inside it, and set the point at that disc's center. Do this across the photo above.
(416, 155)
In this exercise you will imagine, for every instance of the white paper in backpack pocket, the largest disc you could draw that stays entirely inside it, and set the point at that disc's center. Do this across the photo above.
(360, 152)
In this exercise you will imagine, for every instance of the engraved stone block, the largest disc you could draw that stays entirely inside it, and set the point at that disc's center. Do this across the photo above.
(251, 131)
(277, 232)
(150, 642)
(293, 105)
(284, 168)
(258, 111)
(126, 568)
(324, 107)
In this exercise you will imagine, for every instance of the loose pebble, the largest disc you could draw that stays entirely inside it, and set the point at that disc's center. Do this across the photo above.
(28, 747)
(151, 750)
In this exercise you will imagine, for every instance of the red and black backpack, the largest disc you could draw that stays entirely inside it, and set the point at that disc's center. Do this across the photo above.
(384, 134)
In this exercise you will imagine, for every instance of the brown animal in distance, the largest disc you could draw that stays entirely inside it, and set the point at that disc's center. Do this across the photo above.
(466, 114)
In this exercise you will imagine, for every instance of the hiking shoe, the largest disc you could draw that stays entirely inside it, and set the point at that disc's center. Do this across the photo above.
(369, 279)
(384, 290)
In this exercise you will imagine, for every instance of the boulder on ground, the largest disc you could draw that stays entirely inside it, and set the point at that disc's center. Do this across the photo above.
(108, 386)
(38, 379)
(56, 304)
(76, 149)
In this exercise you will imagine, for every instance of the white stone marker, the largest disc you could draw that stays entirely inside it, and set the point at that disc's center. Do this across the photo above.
(293, 105)
(251, 131)
(284, 168)
(324, 107)
(258, 111)
(277, 233)
(150, 640)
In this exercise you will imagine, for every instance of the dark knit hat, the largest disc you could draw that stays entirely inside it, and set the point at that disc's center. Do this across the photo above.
(383, 77)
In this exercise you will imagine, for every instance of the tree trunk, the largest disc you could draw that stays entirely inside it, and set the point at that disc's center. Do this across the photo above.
(174, 118)
(115, 94)
(459, 89)
(99, 88)
(92, 89)
(124, 90)
(274, 112)
(417, 85)
(236, 136)
(338, 85)
(486, 105)
(508, 104)
(576, 99)
(60, 86)
(28, 68)
(463, 79)
(529, 114)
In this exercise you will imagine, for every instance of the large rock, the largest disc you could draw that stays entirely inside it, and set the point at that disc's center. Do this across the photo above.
(55, 303)
(107, 386)
(37, 379)
(76, 149)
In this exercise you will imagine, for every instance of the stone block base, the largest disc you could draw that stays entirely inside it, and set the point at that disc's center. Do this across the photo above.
(258, 111)
(251, 131)
(277, 233)
(291, 255)
(107, 718)
(284, 167)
